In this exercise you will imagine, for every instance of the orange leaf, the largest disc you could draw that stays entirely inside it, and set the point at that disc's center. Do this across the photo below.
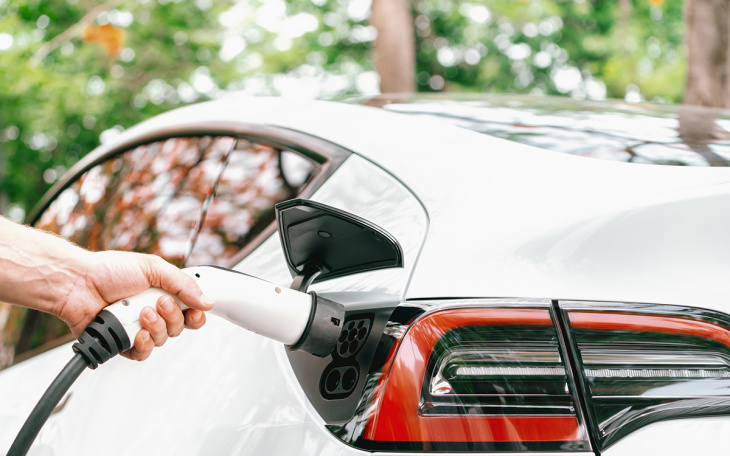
(112, 38)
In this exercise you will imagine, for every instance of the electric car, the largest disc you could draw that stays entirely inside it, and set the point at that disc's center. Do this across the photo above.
(558, 287)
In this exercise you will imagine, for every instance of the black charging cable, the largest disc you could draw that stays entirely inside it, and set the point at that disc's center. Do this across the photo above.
(102, 339)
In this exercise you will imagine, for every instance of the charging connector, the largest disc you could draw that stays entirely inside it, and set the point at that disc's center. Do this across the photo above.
(323, 327)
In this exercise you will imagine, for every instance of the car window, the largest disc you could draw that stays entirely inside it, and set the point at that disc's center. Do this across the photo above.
(149, 199)
(254, 179)
(190, 200)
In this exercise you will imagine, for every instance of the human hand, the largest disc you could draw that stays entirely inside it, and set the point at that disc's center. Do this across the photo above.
(106, 277)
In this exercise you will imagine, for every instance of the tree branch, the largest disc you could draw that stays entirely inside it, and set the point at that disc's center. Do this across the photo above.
(74, 30)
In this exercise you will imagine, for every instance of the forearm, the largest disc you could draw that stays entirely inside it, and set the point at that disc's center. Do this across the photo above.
(37, 269)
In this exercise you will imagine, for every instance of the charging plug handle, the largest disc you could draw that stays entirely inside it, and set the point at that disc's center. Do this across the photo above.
(299, 320)
(103, 338)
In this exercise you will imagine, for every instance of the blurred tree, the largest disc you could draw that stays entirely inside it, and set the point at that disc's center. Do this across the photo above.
(584, 48)
(72, 73)
(708, 33)
(59, 95)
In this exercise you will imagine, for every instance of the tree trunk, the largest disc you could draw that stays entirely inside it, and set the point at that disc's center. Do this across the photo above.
(395, 48)
(708, 23)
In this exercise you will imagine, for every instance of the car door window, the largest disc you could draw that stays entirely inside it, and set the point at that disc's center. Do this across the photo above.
(191, 200)
(254, 179)
(149, 199)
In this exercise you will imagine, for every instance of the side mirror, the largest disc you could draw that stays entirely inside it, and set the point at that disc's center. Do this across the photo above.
(321, 243)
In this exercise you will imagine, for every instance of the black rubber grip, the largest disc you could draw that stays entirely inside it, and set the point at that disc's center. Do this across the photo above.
(102, 339)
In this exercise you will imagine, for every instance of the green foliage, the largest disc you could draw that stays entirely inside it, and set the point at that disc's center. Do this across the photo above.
(593, 48)
(54, 111)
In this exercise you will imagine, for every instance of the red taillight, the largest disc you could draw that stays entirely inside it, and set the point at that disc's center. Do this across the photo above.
(491, 376)
(661, 363)
(487, 376)
(649, 323)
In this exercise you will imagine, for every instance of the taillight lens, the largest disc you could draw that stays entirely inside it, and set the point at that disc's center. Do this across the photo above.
(657, 363)
(478, 378)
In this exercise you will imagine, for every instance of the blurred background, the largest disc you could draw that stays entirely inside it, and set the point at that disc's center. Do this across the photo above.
(75, 73)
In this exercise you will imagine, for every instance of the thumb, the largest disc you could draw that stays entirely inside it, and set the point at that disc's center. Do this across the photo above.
(164, 275)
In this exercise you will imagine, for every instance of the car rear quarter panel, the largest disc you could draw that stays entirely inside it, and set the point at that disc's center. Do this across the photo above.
(220, 390)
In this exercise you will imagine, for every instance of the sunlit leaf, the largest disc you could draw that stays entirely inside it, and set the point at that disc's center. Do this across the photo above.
(110, 37)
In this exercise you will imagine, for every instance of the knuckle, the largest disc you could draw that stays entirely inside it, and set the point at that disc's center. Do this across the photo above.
(194, 319)
(139, 355)
(160, 324)
(175, 327)
(159, 334)
(154, 260)
(153, 267)
(166, 306)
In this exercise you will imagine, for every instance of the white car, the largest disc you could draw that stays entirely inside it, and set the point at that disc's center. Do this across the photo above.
(542, 302)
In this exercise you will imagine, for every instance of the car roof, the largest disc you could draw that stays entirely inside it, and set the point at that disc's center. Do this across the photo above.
(616, 130)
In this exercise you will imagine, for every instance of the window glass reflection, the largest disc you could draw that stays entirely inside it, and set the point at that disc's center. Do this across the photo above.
(149, 199)
(256, 177)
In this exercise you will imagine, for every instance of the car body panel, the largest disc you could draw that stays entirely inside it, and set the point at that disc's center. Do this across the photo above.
(22, 385)
(700, 436)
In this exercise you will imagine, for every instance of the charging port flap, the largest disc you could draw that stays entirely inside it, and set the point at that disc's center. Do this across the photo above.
(321, 242)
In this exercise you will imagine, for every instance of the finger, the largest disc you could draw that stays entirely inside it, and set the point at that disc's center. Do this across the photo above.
(162, 274)
(194, 319)
(171, 313)
(152, 322)
(143, 345)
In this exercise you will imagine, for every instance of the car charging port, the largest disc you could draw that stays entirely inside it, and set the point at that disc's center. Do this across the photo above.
(339, 381)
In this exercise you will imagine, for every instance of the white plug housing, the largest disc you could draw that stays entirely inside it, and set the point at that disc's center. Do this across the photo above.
(272, 311)
(275, 312)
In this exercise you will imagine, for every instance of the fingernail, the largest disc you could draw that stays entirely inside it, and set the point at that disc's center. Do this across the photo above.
(167, 305)
(206, 300)
(145, 336)
(150, 314)
(197, 316)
